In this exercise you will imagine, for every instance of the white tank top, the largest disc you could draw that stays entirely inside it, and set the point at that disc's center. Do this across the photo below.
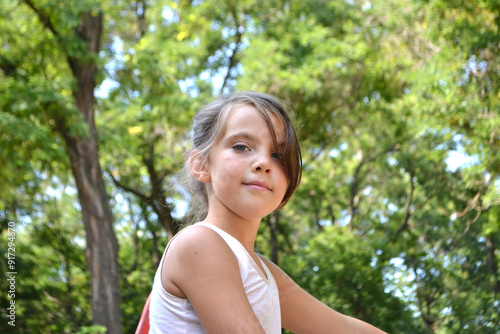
(171, 314)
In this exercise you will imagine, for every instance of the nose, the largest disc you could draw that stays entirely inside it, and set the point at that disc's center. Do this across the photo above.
(262, 163)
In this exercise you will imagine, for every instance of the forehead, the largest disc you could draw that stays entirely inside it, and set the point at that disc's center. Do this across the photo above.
(247, 117)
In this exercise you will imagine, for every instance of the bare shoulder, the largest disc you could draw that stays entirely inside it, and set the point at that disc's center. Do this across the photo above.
(197, 238)
(201, 267)
(195, 251)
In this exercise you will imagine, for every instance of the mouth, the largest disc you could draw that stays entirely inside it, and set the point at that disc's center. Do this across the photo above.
(257, 185)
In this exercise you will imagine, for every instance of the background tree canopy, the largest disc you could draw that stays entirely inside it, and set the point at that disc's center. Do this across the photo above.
(397, 219)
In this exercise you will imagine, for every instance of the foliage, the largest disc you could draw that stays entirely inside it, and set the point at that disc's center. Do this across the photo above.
(350, 279)
(92, 330)
(397, 217)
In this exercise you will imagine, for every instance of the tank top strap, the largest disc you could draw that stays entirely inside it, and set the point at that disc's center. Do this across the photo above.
(232, 242)
(239, 250)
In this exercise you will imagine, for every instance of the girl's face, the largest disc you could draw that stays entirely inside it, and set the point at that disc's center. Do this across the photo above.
(246, 178)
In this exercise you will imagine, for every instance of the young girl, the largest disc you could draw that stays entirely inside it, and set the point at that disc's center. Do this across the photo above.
(245, 163)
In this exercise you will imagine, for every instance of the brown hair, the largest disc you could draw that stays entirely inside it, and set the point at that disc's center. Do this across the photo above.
(208, 128)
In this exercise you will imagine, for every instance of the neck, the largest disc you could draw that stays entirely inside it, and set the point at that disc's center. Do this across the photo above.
(245, 231)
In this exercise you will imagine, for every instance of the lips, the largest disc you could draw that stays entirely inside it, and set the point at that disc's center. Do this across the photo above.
(257, 185)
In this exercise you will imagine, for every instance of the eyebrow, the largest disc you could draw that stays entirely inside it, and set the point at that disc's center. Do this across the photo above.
(242, 135)
(252, 137)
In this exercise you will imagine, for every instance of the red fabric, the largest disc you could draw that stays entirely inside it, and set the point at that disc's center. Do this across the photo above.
(143, 326)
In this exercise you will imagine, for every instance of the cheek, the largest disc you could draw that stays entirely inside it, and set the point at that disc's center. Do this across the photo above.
(230, 170)
(234, 167)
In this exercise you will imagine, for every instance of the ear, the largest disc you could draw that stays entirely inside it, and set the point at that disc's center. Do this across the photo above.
(198, 166)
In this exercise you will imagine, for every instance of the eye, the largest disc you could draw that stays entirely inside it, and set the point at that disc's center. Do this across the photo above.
(240, 148)
(277, 155)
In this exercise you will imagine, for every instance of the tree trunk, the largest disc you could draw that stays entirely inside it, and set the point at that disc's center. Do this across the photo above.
(492, 263)
(272, 222)
(157, 200)
(102, 245)
(354, 196)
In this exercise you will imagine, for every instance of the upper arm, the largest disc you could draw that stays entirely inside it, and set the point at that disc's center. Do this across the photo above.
(301, 313)
(203, 267)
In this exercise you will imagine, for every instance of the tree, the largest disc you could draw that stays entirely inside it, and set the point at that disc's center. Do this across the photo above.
(71, 38)
(383, 226)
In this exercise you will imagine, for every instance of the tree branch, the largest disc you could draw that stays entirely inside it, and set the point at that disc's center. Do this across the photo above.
(356, 181)
(140, 9)
(286, 237)
(7, 67)
(127, 188)
(408, 201)
(232, 59)
(44, 18)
